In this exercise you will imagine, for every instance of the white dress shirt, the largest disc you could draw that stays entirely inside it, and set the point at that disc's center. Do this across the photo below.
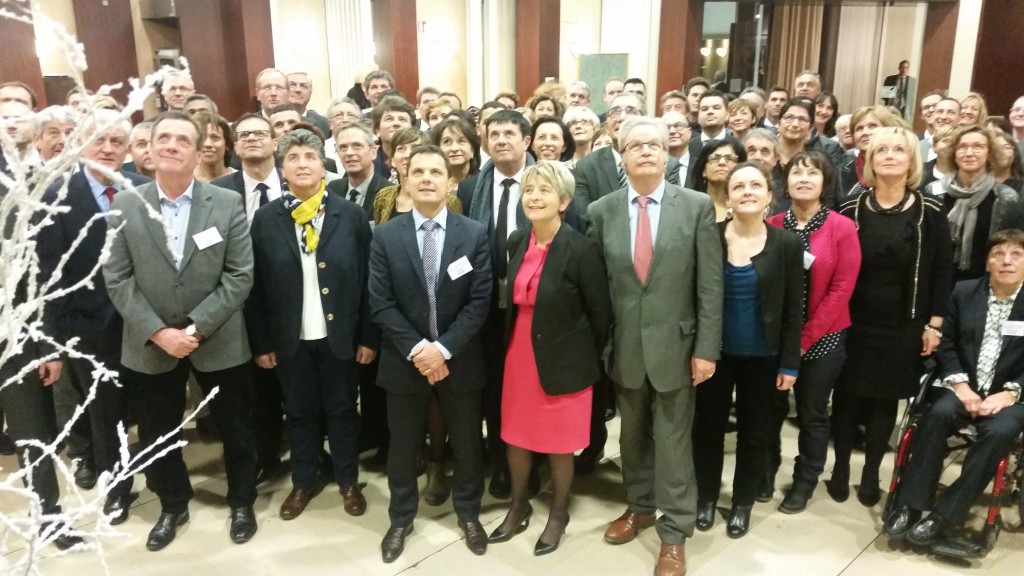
(314, 325)
(252, 196)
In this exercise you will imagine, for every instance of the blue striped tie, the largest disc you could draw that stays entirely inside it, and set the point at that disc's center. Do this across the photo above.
(430, 271)
(622, 177)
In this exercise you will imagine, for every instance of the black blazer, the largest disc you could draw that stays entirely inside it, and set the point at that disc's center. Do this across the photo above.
(963, 329)
(573, 311)
(398, 302)
(780, 286)
(87, 312)
(273, 312)
(339, 188)
(236, 181)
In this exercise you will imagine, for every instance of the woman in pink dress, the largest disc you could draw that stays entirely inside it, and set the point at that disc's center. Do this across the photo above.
(559, 315)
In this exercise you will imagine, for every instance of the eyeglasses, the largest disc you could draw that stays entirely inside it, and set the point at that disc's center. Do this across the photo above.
(794, 119)
(678, 126)
(256, 134)
(1017, 110)
(273, 88)
(975, 148)
(719, 158)
(338, 115)
(579, 123)
(626, 110)
(654, 146)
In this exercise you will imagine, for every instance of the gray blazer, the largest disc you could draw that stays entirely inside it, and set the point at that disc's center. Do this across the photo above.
(209, 290)
(677, 314)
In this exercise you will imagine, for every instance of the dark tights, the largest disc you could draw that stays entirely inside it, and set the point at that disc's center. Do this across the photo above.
(436, 430)
(879, 418)
(520, 461)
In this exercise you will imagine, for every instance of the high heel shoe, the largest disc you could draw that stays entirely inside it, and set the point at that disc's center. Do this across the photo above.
(502, 534)
(542, 547)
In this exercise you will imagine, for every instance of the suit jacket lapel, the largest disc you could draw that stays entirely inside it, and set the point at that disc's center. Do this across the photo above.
(332, 219)
(611, 171)
(452, 241)
(619, 232)
(412, 248)
(157, 227)
(286, 225)
(199, 215)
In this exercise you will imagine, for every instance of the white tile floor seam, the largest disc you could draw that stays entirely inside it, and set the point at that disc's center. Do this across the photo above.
(828, 539)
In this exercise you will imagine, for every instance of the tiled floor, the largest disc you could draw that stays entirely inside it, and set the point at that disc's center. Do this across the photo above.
(827, 539)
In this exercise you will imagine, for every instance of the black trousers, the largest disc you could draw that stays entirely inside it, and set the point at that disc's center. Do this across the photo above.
(106, 411)
(27, 406)
(754, 381)
(813, 389)
(69, 391)
(316, 382)
(407, 418)
(373, 408)
(493, 338)
(997, 435)
(267, 415)
(603, 398)
(161, 404)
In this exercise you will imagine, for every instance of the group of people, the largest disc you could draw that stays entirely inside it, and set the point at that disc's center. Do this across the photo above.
(395, 276)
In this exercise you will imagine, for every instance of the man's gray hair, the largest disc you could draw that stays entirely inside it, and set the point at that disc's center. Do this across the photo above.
(755, 90)
(762, 134)
(636, 122)
(812, 73)
(338, 102)
(641, 101)
(582, 85)
(105, 118)
(144, 126)
(378, 74)
(49, 114)
(360, 127)
(299, 137)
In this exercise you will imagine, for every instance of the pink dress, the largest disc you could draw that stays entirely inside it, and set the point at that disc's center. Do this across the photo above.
(530, 418)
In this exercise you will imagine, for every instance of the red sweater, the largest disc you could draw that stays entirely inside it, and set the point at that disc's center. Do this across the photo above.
(836, 250)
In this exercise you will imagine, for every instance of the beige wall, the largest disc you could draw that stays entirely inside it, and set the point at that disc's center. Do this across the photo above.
(51, 60)
(579, 33)
(442, 46)
(300, 44)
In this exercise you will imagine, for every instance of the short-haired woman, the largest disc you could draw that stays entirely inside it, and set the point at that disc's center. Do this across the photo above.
(583, 124)
(710, 171)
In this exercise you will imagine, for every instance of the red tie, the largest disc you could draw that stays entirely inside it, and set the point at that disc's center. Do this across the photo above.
(110, 191)
(643, 252)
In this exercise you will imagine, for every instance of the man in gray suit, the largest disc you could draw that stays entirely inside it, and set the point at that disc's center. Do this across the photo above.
(180, 285)
(664, 260)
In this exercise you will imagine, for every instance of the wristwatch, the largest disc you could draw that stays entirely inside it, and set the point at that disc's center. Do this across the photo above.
(1013, 388)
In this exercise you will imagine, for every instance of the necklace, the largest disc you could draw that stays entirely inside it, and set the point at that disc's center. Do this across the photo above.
(895, 209)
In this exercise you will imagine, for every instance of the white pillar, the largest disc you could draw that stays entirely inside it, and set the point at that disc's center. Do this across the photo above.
(349, 41)
(475, 92)
(499, 42)
(965, 46)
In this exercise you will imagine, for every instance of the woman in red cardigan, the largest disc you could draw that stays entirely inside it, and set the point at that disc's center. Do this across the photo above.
(831, 264)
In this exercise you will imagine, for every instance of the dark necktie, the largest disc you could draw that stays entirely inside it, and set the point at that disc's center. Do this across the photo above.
(502, 227)
(430, 271)
(622, 176)
(353, 195)
(110, 191)
(262, 189)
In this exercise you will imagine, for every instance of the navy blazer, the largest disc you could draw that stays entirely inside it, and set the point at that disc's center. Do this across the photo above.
(273, 312)
(86, 312)
(572, 313)
(399, 305)
(962, 332)
(339, 187)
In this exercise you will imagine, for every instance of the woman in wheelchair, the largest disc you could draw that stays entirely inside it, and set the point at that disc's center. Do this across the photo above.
(980, 369)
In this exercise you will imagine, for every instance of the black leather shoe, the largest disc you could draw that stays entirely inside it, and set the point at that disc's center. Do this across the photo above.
(838, 488)
(609, 414)
(739, 521)
(6, 445)
(901, 519)
(706, 515)
(165, 530)
(502, 534)
(394, 542)
(63, 541)
(266, 471)
(766, 488)
(243, 524)
(869, 494)
(796, 499)
(85, 474)
(117, 508)
(924, 532)
(476, 538)
(501, 484)
(587, 461)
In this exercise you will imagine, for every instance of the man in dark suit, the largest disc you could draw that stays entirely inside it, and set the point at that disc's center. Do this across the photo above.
(308, 316)
(356, 149)
(180, 286)
(286, 117)
(492, 198)
(664, 259)
(430, 289)
(87, 312)
(258, 182)
(300, 90)
(900, 84)
(980, 371)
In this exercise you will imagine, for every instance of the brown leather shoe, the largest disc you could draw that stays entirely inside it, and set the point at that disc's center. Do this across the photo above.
(355, 503)
(296, 502)
(671, 561)
(476, 538)
(627, 526)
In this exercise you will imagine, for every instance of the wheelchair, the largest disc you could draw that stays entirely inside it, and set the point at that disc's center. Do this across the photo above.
(1007, 486)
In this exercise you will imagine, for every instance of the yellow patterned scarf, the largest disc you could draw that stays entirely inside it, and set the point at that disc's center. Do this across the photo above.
(304, 212)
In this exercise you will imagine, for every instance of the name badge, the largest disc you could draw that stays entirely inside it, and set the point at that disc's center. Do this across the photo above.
(808, 260)
(459, 268)
(207, 238)
(1013, 328)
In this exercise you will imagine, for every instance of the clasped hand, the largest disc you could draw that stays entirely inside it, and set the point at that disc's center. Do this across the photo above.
(175, 342)
(430, 362)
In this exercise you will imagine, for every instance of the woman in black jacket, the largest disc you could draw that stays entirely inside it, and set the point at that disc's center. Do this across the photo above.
(559, 313)
(761, 324)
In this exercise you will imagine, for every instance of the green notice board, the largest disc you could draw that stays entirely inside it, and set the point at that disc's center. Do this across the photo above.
(596, 69)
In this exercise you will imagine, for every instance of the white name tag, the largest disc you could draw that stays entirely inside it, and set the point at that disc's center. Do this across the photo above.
(207, 238)
(1013, 328)
(459, 268)
(808, 260)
